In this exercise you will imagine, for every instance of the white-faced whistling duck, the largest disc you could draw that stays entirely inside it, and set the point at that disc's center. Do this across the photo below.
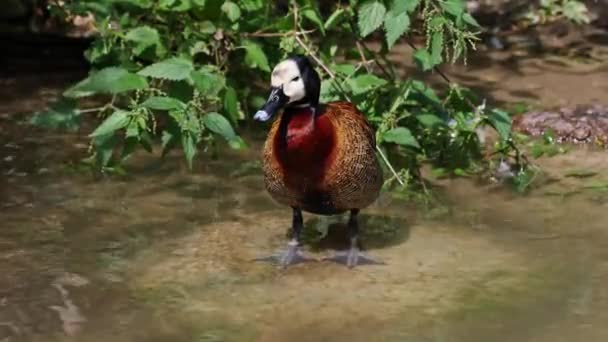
(319, 158)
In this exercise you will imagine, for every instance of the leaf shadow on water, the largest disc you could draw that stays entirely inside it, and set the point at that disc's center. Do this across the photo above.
(376, 232)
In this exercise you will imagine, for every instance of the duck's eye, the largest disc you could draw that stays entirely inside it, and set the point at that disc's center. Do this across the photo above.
(297, 78)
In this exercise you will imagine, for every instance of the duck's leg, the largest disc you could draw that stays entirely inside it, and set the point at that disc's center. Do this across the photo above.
(291, 255)
(353, 256)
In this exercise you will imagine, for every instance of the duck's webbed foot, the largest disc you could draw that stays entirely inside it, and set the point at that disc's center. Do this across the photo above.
(354, 256)
(292, 254)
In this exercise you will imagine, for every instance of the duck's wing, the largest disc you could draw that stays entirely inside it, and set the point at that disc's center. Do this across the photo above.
(348, 114)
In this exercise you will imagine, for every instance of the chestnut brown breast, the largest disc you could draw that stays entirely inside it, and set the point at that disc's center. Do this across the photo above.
(323, 163)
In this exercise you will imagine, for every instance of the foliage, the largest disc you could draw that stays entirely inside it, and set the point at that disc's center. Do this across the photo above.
(550, 10)
(186, 72)
(545, 146)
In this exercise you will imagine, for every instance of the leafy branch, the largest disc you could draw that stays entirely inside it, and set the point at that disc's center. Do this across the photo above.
(179, 74)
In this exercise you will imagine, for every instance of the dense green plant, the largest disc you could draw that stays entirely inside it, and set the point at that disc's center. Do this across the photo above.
(188, 71)
(550, 10)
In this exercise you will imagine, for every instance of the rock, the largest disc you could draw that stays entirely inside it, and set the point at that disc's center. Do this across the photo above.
(581, 124)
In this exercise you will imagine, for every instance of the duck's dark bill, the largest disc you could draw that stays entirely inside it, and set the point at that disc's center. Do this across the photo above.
(275, 102)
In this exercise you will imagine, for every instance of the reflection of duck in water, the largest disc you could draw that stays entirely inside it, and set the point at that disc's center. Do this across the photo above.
(319, 158)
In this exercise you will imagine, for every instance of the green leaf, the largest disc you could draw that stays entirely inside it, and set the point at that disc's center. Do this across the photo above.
(138, 3)
(174, 69)
(501, 121)
(255, 56)
(206, 27)
(97, 52)
(104, 148)
(312, 15)
(168, 140)
(453, 7)
(333, 49)
(577, 12)
(395, 25)
(329, 90)
(62, 114)
(189, 146)
(468, 18)
(371, 15)
(402, 6)
(145, 37)
(252, 5)
(423, 58)
(427, 93)
(145, 140)
(231, 104)
(163, 103)
(335, 18)
(129, 147)
(437, 48)
(401, 136)
(119, 119)
(437, 23)
(365, 83)
(132, 129)
(175, 5)
(199, 3)
(537, 150)
(208, 82)
(430, 120)
(288, 44)
(111, 80)
(232, 10)
(344, 69)
(218, 124)
(237, 143)
(179, 116)
(191, 122)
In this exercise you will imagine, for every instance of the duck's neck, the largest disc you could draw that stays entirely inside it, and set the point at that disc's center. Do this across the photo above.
(305, 142)
(298, 125)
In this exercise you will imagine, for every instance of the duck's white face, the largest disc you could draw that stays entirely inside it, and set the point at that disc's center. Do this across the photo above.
(287, 74)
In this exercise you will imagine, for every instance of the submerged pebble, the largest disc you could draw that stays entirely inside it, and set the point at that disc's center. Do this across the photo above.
(581, 124)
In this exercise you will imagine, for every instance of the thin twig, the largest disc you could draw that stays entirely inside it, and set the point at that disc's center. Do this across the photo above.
(312, 54)
(323, 66)
(296, 18)
(361, 44)
(357, 68)
(319, 62)
(390, 166)
(361, 47)
(92, 110)
(258, 34)
(363, 58)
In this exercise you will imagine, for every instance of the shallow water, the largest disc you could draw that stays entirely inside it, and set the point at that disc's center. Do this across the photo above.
(165, 254)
